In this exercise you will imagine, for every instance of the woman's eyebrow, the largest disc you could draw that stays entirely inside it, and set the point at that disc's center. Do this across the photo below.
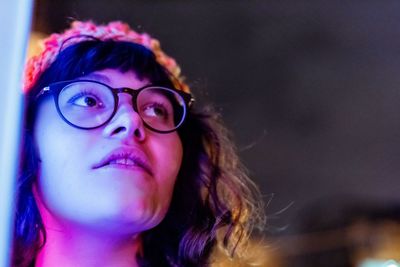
(97, 77)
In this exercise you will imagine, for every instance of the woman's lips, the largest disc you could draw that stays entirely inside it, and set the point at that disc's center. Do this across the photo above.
(126, 158)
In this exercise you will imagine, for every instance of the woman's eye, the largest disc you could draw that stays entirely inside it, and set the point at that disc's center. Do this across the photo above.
(85, 100)
(155, 110)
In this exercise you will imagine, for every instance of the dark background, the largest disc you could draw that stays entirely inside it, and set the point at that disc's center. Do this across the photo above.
(310, 89)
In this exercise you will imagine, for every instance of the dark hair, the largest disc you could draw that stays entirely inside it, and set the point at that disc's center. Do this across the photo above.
(212, 198)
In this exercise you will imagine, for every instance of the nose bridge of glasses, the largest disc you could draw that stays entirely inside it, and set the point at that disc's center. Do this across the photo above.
(126, 93)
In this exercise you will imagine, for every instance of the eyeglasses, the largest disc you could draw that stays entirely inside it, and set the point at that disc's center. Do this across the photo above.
(87, 104)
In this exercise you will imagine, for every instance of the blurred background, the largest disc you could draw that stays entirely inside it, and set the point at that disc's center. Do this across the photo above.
(310, 90)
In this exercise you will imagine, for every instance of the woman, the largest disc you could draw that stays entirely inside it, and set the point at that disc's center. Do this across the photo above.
(118, 168)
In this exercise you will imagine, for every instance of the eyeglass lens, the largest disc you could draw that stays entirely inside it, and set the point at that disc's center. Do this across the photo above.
(88, 105)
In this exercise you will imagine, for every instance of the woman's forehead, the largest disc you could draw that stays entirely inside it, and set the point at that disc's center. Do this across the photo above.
(116, 78)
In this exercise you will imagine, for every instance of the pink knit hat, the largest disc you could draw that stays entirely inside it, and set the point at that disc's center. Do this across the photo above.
(116, 30)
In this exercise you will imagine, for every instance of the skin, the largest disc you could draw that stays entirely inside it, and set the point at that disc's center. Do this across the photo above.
(94, 217)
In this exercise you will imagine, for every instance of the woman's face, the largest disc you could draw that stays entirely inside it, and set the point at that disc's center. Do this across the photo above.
(130, 193)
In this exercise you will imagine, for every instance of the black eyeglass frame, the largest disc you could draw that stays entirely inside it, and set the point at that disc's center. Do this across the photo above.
(56, 88)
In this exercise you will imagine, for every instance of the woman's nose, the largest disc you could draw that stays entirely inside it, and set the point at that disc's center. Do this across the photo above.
(126, 123)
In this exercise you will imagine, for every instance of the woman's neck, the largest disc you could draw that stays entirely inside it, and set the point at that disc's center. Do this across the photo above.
(79, 248)
(71, 245)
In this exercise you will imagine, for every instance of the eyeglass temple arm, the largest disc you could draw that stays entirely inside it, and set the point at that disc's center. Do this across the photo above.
(42, 92)
(191, 101)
